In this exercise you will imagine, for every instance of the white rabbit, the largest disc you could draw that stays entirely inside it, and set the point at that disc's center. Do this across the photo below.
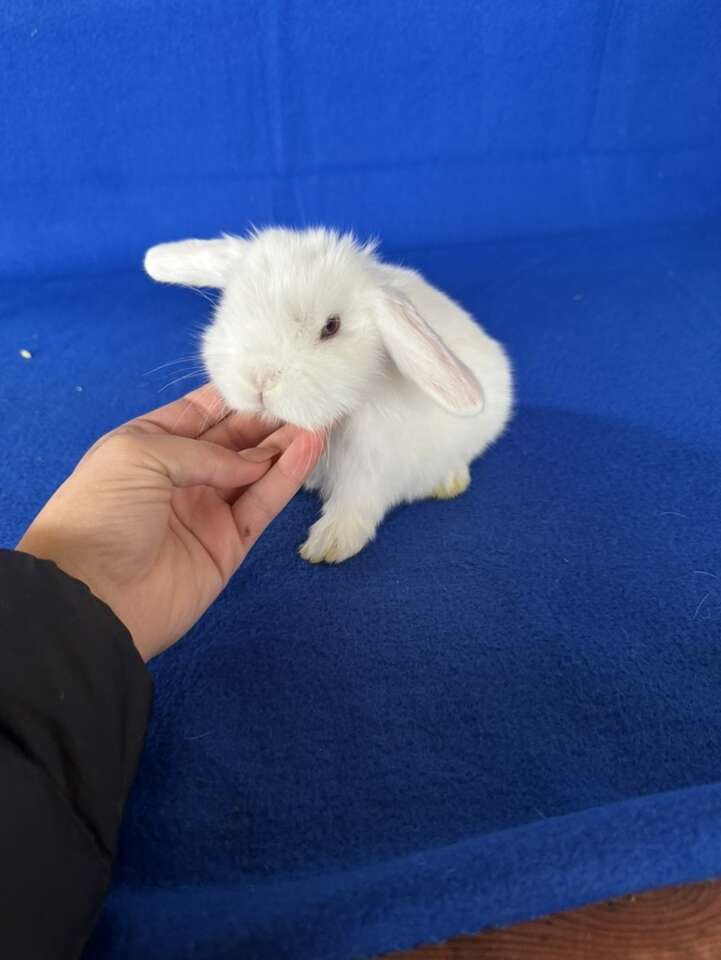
(312, 329)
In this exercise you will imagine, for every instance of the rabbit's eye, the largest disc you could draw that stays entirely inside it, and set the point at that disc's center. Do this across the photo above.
(330, 328)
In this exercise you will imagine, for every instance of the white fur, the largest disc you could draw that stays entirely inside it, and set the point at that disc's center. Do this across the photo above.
(410, 390)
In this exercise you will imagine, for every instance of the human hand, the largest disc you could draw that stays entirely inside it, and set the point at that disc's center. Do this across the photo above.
(160, 513)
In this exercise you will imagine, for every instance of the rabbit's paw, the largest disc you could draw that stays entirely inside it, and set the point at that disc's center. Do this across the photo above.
(454, 485)
(333, 539)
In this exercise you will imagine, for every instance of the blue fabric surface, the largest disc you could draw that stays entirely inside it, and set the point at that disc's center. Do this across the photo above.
(509, 703)
(125, 123)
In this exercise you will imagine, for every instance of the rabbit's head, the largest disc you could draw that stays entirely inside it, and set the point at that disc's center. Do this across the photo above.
(305, 325)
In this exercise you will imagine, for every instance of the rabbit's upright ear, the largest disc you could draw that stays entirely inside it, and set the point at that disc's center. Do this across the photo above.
(194, 263)
(421, 355)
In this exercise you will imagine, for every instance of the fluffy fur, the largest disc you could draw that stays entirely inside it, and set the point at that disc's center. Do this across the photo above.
(410, 389)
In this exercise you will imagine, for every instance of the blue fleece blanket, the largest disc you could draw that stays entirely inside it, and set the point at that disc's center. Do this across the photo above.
(509, 703)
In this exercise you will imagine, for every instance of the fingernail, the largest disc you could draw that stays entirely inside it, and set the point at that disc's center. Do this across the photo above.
(259, 454)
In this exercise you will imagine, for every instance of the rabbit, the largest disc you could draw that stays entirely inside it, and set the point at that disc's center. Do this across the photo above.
(313, 329)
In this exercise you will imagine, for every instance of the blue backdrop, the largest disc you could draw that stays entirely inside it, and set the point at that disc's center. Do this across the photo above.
(510, 703)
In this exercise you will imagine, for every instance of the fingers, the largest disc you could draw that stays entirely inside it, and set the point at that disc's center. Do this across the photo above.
(190, 416)
(203, 414)
(182, 462)
(238, 431)
(200, 414)
(263, 501)
(280, 439)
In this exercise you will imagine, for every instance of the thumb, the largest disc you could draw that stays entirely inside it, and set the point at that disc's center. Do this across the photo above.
(260, 503)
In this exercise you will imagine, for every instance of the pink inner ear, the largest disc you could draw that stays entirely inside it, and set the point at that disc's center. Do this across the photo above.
(422, 356)
(459, 386)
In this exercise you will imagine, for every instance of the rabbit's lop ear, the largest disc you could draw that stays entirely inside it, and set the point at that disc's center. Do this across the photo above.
(421, 355)
(194, 263)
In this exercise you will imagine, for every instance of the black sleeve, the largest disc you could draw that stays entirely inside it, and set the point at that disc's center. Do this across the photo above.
(74, 704)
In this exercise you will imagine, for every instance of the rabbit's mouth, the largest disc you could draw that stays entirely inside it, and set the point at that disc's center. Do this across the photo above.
(309, 412)
(276, 415)
(285, 397)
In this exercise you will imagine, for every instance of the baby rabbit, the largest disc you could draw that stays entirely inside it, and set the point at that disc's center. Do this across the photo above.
(314, 330)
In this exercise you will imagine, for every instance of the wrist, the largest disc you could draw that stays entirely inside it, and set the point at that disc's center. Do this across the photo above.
(69, 554)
